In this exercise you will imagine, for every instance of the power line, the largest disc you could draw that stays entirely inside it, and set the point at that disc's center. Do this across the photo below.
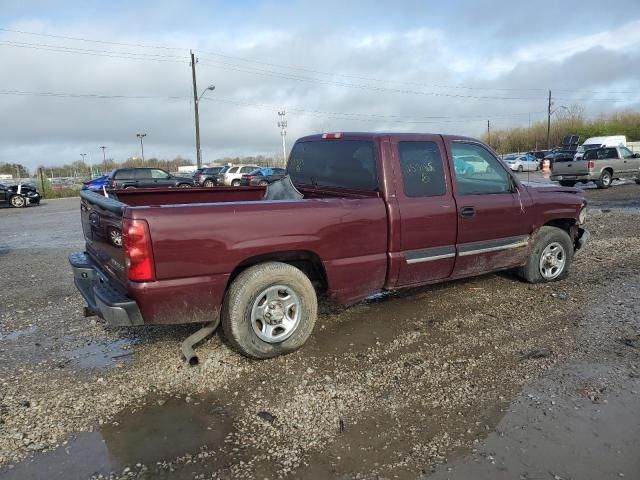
(80, 39)
(95, 53)
(369, 117)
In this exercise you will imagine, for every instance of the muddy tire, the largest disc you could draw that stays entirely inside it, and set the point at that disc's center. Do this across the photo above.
(18, 201)
(567, 183)
(550, 258)
(605, 180)
(269, 310)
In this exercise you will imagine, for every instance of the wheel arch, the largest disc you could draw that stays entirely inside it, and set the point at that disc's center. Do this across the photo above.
(307, 261)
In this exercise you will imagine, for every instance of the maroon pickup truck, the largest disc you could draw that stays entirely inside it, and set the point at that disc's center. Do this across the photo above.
(364, 212)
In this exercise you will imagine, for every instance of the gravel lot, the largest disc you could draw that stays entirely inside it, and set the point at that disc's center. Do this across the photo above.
(485, 378)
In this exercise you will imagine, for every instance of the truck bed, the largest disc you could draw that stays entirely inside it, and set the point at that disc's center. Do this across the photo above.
(200, 235)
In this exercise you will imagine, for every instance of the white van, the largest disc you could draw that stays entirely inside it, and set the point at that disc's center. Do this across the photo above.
(600, 142)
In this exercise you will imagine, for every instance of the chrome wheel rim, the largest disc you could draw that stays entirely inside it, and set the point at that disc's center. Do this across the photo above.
(552, 261)
(606, 179)
(17, 201)
(275, 314)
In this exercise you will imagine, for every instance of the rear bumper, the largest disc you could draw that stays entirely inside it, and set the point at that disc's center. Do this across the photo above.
(101, 295)
(585, 177)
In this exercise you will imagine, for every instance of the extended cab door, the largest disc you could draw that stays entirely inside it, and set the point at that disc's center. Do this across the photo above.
(427, 210)
(631, 163)
(493, 231)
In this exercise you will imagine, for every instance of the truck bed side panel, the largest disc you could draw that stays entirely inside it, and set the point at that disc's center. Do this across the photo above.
(208, 241)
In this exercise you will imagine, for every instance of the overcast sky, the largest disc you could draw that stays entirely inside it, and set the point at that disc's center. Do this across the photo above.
(333, 65)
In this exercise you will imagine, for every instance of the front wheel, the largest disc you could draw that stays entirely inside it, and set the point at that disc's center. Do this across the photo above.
(605, 180)
(208, 183)
(269, 310)
(520, 169)
(550, 257)
(184, 185)
(235, 183)
(18, 201)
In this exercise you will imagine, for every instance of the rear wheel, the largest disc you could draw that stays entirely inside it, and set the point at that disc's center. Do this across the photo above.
(263, 183)
(520, 168)
(550, 257)
(208, 183)
(184, 185)
(605, 180)
(269, 310)
(129, 187)
(235, 183)
(567, 183)
(18, 201)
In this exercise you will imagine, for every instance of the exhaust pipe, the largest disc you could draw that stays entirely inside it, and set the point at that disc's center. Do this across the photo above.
(192, 340)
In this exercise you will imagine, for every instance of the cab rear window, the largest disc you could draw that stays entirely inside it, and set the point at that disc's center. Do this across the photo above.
(349, 164)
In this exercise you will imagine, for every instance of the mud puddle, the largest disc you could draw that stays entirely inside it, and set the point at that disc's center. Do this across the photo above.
(99, 355)
(147, 442)
(587, 430)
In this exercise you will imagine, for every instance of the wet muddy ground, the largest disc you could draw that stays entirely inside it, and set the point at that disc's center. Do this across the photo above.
(483, 378)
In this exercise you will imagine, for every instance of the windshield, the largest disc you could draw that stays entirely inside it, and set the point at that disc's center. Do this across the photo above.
(334, 163)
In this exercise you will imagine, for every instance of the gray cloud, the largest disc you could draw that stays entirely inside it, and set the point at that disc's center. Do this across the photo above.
(45, 130)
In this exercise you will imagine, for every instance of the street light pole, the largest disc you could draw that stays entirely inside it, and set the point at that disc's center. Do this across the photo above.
(282, 123)
(90, 171)
(104, 155)
(141, 136)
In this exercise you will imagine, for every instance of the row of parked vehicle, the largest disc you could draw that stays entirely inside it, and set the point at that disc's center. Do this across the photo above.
(229, 175)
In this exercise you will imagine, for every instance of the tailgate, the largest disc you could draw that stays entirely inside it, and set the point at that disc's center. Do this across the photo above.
(102, 227)
(571, 167)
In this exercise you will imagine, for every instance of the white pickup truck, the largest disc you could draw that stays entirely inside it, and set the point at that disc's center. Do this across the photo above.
(600, 165)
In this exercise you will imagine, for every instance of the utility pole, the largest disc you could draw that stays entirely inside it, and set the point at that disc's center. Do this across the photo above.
(195, 108)
(549, 122)
(489, 132)
(141, 136)
(90, 171)
(282, 124)
(104, 157)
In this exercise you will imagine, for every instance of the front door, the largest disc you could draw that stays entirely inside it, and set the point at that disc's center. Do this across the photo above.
(630, 163)
(427, 210)
(491, 214)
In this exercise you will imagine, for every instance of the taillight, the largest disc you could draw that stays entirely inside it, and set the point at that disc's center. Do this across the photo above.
(591, 165)
(249, 177)
(138, 255)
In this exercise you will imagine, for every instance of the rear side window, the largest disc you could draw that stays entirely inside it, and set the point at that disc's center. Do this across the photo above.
(232, 170)
(347, 164)
(143, 173)
(422, 170)
(611, 153)
(247, 169)
(123, 174)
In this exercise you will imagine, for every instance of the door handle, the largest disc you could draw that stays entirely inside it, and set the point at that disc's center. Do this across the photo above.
(467, 212)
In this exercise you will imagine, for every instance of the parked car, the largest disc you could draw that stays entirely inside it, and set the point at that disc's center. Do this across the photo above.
(97, 184)
(122, 178)
(263, 176)
(232, 175)
(522, 163)
(207, 177)
(600, 165)
(20, 195)
(365, 212)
